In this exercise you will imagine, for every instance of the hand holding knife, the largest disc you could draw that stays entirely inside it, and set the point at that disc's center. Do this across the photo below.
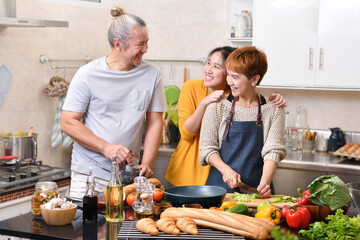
(246, 188)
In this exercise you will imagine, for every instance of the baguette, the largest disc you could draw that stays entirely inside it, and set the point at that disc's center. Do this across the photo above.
(227, 219)
(224, 228)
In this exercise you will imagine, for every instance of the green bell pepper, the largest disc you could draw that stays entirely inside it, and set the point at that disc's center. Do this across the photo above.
(239, 209)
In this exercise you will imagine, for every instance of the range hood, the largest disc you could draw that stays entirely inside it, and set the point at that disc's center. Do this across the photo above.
(8, 18)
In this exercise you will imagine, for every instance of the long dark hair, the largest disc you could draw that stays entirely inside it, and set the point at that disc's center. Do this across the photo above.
(225, 51)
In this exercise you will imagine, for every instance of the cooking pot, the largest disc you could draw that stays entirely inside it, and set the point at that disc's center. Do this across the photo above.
(206, 196)
(25, 147)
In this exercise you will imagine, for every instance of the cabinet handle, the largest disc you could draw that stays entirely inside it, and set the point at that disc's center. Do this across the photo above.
(321, 61)
(311, 59)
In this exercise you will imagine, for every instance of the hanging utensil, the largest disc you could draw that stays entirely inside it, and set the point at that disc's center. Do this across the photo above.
(30, 131)
(185, 74)
(172, 92)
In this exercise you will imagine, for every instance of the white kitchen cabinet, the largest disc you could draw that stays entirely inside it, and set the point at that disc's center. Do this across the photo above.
(309, 43)
(339, 42)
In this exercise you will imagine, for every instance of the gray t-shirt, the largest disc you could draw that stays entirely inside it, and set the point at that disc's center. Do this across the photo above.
(114, 104)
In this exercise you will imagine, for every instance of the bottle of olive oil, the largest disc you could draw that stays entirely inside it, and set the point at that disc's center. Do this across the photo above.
(114, 196)
(90, 201)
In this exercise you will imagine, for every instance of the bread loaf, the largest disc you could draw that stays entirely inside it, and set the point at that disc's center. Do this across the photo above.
(254, 228)
(155, 181)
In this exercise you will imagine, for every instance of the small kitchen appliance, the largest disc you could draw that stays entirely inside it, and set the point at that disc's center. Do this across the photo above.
(336, 139)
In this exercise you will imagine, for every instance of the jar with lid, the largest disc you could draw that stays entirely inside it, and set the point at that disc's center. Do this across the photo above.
(44, 192)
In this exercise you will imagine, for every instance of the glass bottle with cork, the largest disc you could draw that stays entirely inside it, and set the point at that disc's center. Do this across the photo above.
(90, 201)
(114, 195)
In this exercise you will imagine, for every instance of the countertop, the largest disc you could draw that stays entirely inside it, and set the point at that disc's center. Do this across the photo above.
(323, 161)
(28, 226)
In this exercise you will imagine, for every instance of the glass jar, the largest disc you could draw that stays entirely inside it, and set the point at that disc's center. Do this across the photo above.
(44, 192)
(294, 139)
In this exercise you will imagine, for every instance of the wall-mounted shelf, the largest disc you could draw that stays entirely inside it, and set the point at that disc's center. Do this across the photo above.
(240, 39)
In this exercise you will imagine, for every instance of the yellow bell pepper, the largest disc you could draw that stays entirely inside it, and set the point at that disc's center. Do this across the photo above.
(270, 213)
(227, 204)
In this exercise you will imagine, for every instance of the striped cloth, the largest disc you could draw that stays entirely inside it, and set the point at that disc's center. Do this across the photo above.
(57, 135)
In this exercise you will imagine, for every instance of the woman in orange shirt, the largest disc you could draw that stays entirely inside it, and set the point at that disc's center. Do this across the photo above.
(184, 167)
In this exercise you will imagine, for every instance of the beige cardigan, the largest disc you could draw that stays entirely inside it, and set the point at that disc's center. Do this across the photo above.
(214, 124)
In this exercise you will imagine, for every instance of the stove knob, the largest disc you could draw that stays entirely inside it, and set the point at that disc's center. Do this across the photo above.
(33, 174)
(12, 178)
(23, 175)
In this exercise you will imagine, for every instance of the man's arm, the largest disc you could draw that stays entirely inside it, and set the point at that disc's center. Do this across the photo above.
(71, 125)
(153, 134)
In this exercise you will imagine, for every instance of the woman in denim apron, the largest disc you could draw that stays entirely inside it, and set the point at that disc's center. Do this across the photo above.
(242, 136)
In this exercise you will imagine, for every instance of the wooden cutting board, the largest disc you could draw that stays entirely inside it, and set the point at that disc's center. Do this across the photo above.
(256, 201)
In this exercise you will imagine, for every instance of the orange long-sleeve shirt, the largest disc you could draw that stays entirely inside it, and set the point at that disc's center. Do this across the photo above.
(184, 167)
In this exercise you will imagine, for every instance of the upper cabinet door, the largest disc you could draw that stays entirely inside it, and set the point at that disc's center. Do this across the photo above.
(339, 44)
(287, 31)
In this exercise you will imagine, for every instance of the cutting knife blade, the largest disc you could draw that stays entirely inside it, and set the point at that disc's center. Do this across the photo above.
(246, 188)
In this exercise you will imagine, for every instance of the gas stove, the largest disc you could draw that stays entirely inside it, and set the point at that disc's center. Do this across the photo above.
(25, 175)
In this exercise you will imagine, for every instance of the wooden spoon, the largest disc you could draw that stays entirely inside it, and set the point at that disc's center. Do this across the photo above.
(30, 131)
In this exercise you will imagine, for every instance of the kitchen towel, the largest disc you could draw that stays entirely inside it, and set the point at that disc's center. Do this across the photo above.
(5, 77)
(59, 136)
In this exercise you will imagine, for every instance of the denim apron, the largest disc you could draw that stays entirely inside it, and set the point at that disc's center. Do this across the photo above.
(241, 150)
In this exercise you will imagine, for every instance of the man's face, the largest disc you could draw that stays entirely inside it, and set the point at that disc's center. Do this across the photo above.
(137, 46)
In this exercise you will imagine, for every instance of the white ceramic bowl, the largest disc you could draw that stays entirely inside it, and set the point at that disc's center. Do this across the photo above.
(58, 216)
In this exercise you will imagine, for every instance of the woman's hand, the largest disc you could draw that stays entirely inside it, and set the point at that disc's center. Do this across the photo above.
(120, 153)
(277, 100)
(230, 177)
(145, 170)
(264, 190)
(213, 97)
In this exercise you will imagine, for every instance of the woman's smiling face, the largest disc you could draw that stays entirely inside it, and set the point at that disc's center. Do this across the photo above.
(215, 72)
(239, 83)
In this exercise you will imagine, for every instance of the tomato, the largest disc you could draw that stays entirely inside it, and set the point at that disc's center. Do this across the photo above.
(284, 210)
(158, 195)
(129, 214)
(130, 198)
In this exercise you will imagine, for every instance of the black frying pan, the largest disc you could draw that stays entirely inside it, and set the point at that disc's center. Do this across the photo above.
(206, 196)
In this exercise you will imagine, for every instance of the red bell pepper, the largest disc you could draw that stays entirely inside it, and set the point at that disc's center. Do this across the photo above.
(298, 217)
(303, 199)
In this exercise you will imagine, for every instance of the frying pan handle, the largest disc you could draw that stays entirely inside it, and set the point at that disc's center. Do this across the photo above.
(5, 158)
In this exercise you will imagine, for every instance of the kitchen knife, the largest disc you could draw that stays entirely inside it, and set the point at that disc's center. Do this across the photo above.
(246, 188)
